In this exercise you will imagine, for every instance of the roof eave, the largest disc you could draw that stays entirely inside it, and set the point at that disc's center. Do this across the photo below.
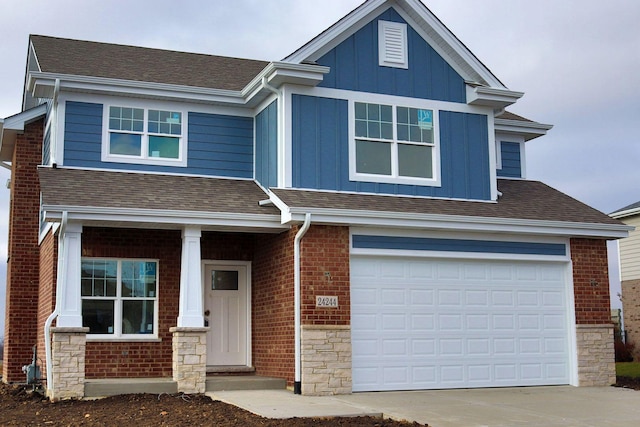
(14, 125)
(496, 98)
(453, 222)
(221, 220)
(530, 130)
(625, 213)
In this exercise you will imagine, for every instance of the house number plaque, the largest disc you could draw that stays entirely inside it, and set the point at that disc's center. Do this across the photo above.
(326, 301)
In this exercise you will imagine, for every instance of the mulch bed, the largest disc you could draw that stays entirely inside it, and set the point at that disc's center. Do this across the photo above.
(21, 407)
(628, 382)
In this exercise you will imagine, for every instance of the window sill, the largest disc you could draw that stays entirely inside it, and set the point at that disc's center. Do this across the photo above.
(382, 179)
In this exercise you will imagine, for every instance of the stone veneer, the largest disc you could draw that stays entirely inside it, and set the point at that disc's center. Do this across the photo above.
(67, 353)
(596, 359)
(631, 310)
(326, 359)
(190, 359)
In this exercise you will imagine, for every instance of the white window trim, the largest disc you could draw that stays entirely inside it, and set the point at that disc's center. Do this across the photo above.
(394, 178)
(401, 59)
(144, 159)
(117, 309)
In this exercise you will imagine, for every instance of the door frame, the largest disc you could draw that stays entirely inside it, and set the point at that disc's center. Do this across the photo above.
(247, 264)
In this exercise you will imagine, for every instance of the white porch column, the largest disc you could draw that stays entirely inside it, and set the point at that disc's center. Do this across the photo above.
(191, 305)
(70, 297)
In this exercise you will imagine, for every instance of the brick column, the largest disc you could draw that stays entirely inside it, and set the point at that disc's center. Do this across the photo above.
(68, 353)
(326, 360)
(596, 356)
(594, 329)
(190, 359)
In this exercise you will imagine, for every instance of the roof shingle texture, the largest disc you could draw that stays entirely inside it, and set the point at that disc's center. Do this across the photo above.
(85, 58)
(527, 200)
(94, 188)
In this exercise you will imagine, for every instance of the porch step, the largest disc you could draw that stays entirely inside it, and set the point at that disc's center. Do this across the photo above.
(244, 382)
(115, 386)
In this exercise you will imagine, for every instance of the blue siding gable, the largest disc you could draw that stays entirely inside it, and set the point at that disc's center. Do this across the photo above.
(320, 152)
(354, 66)
(455, 245)
(266, 146)
(511, 160)
(218, 145)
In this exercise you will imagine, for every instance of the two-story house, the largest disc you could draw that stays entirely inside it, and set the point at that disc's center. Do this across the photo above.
(354, 217)
(629, 248)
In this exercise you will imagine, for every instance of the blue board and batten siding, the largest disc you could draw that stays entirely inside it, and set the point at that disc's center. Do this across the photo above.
(320, 152)
(455, 245)
(266, 146)
(511, 161)
(218, 145)
(354, 66)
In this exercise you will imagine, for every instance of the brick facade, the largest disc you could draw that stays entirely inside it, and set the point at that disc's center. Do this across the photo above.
(591, 281)
(594, 330)
(21, 310)
(631, 309)
(47, 290)
(272, 306)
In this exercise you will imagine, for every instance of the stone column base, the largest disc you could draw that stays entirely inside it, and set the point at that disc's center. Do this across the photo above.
(326, 360)
(190, 359)
(67, 353)
(596, 355)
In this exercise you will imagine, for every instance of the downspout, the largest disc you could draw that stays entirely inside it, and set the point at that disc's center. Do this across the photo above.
(54, 123)
(297, 385)
(60, 277)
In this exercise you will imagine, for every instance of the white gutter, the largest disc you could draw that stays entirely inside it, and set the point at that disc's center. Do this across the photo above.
(59, 280)
(297, 385)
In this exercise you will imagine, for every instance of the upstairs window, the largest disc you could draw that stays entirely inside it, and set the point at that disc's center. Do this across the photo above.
(139, 135)
(119, 297)
(395, 144)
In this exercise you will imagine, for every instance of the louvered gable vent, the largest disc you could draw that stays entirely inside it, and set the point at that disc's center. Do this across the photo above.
(392, 44)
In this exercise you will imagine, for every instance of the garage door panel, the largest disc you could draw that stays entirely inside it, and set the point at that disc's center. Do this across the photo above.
(453, 324)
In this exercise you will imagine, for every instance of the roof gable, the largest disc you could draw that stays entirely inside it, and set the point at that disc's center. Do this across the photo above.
(430, 28)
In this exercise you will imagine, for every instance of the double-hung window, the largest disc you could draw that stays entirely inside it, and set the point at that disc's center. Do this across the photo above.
(394, 144)
(141, 135)
(120, 297)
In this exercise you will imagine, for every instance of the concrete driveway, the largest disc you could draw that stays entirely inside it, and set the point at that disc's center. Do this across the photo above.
(527, 406)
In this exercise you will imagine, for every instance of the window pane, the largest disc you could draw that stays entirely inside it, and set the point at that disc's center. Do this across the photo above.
(97, 315)
(137, 316)
(98, 277)
(166, 147)
(166, 122)
(373, 157)
(415, 125)
(130, 119)
(222, 280)
(361, 110)
(126, 144)
(415, 161)
(138, 279)
(361, 128)
(374, 121)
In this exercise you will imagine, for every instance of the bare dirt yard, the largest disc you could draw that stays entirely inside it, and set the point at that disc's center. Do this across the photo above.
(21, 407)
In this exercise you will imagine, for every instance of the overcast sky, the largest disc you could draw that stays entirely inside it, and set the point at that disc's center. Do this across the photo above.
(576, 60)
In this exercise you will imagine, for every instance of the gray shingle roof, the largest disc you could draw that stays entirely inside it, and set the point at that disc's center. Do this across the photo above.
(104, 189)
(85, 58)
(530, 200)
(635, 205)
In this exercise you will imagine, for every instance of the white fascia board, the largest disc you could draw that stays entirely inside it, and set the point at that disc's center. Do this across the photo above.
(459, 222)
(625, 213)
(529, 130)
(121, 215)
(41, 86)
(496, 98)
(335, 34)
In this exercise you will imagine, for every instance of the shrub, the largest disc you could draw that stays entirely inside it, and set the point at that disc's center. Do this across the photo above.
(624, 350)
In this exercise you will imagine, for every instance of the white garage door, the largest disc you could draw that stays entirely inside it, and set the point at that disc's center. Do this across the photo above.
(432, 324)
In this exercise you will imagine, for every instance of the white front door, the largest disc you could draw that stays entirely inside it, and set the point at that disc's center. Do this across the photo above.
(227, 313)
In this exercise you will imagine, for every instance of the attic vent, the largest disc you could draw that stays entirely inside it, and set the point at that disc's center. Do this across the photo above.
(392, 44)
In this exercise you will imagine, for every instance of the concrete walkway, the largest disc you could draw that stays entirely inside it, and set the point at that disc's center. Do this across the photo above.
(499, 407)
